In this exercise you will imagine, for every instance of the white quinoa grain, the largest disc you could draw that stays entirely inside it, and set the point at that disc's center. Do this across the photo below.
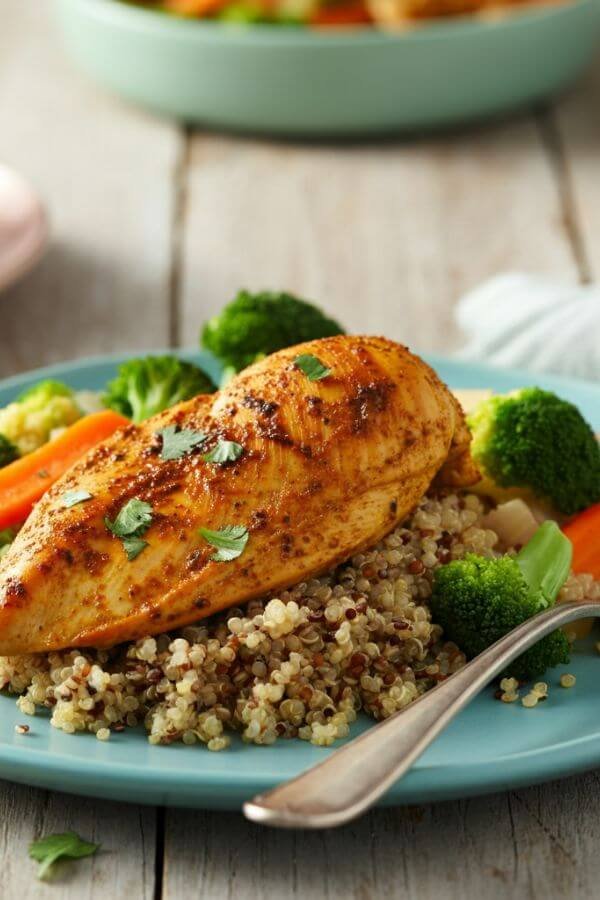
(530, 700)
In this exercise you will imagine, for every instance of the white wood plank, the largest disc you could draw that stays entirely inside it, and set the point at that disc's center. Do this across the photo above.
(386, 236)
(534, 843)
(105, 171)
(579, 137)
(123, 868)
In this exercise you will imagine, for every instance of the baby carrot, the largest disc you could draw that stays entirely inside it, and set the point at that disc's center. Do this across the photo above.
(584, 533)
(24, 481)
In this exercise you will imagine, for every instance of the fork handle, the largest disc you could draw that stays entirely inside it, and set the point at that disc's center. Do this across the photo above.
(354, 777)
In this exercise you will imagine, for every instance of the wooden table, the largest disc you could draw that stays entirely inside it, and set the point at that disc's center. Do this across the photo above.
(154, 228)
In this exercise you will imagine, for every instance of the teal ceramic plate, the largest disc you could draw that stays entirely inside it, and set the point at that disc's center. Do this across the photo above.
(491, 746)
(297, 81)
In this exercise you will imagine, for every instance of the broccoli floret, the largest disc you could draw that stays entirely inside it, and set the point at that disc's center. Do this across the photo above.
(254, 325)
(477, 600)
(144, 387)
(8, 452)
(30, 420)
(46, 390)
(534, 439)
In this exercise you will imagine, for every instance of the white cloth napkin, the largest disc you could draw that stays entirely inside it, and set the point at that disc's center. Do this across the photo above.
(529, 322)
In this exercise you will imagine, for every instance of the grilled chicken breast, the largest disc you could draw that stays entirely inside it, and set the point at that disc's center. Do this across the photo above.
(328, 467)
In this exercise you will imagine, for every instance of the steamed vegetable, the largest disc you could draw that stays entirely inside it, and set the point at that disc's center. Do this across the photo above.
(23, 482)
(144, 387)
(533, 439)
(255, 325)
(478, 600)
(584, 533)
(8, 451)
(29, 422)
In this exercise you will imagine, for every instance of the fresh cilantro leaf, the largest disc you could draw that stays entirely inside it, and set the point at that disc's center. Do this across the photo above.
(49, 849)
(132, 521)
(72, 498)
(133, 546)
(177, 443)
(230, 541)
(312, 367)
(223, 452)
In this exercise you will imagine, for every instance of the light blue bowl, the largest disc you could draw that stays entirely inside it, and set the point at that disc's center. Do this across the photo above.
(297, 81)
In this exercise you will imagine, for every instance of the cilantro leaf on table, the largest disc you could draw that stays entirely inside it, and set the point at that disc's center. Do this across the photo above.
(53, 847)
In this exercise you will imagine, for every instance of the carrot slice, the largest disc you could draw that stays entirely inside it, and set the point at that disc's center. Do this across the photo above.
(24, 481)
(584, 533)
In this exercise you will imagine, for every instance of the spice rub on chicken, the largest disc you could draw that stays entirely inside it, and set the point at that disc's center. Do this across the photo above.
(302, 460)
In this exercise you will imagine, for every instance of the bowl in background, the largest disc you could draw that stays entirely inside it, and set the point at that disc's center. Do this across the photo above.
(339, 82)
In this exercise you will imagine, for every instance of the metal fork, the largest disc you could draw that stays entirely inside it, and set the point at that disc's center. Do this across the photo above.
(354, 777)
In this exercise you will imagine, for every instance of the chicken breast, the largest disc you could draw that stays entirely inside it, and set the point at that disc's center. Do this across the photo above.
(328, 467)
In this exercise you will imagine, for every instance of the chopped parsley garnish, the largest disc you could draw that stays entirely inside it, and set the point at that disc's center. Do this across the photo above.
(312, 367)
(223, 452)
(132, 521)
(230, 541)
(49, 849)
(133, 546)
(179, 442)
(72, 498)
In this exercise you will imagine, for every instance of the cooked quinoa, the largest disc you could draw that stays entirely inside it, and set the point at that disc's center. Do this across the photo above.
(299, 665)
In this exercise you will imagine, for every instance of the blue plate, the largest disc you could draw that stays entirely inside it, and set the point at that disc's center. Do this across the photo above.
(491, 746)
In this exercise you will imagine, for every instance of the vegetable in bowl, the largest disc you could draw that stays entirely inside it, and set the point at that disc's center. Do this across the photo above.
(270, 12)
(325, 12)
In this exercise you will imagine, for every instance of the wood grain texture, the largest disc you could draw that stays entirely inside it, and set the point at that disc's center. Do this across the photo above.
(533, 843)
(123, 868)
(105, 172)
(387, 236)
(577, 121)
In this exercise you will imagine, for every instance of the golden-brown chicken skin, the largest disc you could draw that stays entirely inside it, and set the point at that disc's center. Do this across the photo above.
(328, 468)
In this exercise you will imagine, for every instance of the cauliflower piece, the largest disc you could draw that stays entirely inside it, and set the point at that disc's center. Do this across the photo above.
(29, 422)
